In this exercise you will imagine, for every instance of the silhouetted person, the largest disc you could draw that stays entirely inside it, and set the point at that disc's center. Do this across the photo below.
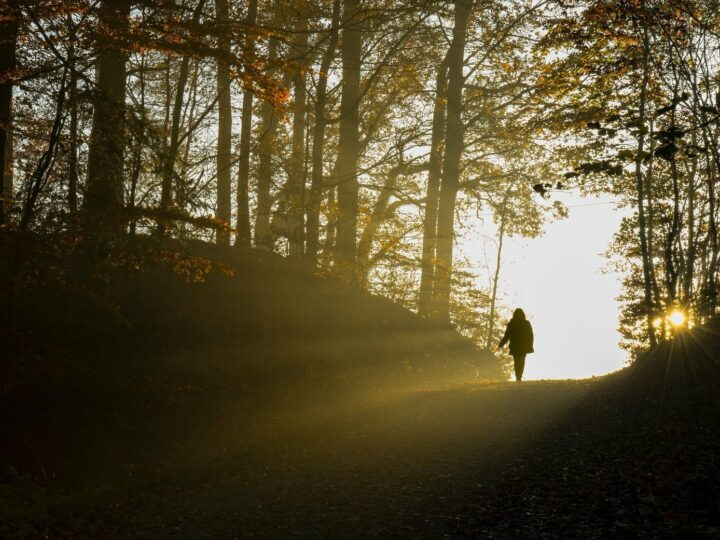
(519, 333)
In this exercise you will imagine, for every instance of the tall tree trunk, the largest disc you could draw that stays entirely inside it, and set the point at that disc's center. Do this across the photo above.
(104, 195)
(710, 300)
(243, 186)
(138, 150)
(429, 245)
(73, 135)
(190, 120)
(268, 128)
(224, 141)
(496, 276)
(346, 166)
(640, 188)
(8, 184)
(711, 294)
(650, 217)
(673, 251)
(171, 152)
(312, 235)
(266, 146)
(296, 176)
(8, 51)
(328, 250)
(688, 278)
(450, 179)
(673, 268)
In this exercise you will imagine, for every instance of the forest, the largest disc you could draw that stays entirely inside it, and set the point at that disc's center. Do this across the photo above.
(206, 195)
(359, 137)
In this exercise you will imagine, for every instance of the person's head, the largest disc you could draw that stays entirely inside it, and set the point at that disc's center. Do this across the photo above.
(519, 314)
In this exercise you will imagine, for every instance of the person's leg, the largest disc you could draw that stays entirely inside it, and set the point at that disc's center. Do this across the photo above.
(519, 366)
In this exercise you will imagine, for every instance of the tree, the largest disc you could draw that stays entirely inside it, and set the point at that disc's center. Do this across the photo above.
(450, 179)
(73, 174)
(346, 164)
(266, 148)
(296, 174)
(224, 141)
(243, 184)
(8, 46)
(429, 245)
(104, 196)
(312, 234)
(648, 109)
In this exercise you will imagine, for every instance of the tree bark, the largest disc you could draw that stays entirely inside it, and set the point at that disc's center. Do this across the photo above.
(640, 188)
(450, 179)
(312, 235)
(711, 288)
(650, 218)
(73, 135)
(191, 121)
(104, 196)
(673, 266)
(266, 146)
(496, 276)
(140, 142)
(330, 234)
(688, 278)
(346, 166)
(296, 177)
(243, 186)
(673, 270)
(224, 141)
(171, 152)
(8, 60)
(8, 177)
(429, 246)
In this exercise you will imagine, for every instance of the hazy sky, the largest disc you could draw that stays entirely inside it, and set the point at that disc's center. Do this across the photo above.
(558, 280)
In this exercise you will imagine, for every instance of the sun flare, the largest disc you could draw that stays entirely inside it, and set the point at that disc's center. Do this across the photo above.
(677, 318)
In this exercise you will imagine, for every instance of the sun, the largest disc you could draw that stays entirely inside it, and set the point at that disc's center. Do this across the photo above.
(677, 318)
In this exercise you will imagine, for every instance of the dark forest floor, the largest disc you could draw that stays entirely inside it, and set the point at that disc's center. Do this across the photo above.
(547, 459)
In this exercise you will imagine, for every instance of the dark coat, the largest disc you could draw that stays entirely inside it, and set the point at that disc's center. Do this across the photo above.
(520, 335)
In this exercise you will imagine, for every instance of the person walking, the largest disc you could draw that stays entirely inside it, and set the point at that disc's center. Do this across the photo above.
(519, 333)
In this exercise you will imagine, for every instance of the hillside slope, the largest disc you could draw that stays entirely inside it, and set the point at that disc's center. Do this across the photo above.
(98, 377)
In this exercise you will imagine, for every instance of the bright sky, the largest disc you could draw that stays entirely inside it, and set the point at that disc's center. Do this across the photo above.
(559, 281)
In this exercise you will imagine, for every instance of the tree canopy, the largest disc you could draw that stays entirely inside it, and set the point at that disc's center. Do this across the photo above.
(359, 136)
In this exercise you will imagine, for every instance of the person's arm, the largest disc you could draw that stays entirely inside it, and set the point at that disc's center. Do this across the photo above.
(505, 338)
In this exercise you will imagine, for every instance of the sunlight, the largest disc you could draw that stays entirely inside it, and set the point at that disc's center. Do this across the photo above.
(570, 305)
(677, 318)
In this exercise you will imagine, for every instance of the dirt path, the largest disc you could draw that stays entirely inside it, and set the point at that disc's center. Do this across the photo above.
(555, 459)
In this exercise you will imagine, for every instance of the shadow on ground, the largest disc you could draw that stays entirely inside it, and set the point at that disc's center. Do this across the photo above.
(542, 459)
